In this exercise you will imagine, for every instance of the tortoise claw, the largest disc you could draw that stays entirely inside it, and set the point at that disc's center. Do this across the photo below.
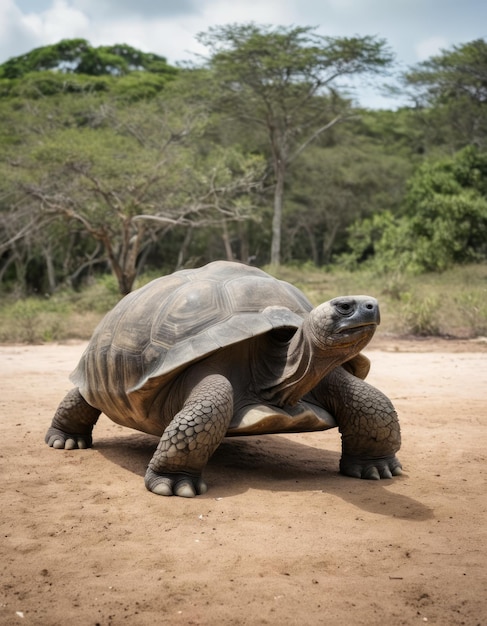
(183, 485)
(371, 473)
(60, 440)
(370, 469)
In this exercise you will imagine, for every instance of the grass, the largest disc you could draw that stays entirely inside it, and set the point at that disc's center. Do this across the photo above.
(451, 304)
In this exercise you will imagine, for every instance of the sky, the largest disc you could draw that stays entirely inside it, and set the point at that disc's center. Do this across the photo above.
(413, 29)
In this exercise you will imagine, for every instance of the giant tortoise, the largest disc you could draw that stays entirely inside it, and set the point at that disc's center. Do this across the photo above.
(224, 350)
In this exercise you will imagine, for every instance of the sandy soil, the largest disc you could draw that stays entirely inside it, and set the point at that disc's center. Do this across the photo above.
(280, 537)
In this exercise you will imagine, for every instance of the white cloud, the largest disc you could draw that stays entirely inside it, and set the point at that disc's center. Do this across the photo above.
(167, 38)
(60, 21)
(268, 12)
(173, 36)
(21, 32)
(148, 8)
(15, 35)
(430, 46)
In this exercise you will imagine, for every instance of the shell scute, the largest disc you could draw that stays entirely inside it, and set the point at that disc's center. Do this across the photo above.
(190, 310)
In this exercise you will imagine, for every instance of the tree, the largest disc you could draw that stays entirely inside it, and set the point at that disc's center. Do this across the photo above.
(77, 56)
(283, 80)
(450, 93)
(356, 170)
(128, 174)
(74, 66)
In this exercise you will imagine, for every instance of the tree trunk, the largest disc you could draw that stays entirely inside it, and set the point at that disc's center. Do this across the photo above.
(124, 280)
(312, 243)
(184, 248)
(244, 242)
(280, 170)
(20, 261)
(51, 273)
(226, 241)
(329, 241)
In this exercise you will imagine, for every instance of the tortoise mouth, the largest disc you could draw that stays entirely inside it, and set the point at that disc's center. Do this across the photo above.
(357, 328)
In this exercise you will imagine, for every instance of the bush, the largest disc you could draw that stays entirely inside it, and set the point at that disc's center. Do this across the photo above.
(421, 316)
(442, 223)
(473, 305)
(33, 320)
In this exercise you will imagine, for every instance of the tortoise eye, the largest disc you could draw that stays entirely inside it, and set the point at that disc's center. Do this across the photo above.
(344, 307)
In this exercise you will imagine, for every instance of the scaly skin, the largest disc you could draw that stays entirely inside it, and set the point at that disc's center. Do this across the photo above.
(367, 422)
(190, 439)
(72, 423)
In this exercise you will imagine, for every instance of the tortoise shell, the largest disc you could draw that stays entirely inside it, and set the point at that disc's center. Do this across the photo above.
(153, 333)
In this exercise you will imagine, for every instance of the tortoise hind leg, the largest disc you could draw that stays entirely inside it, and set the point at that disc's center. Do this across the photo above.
(367, 422)
(190, 439)
(72, 423)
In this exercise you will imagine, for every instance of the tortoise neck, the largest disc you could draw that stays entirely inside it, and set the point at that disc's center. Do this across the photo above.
(293, 367)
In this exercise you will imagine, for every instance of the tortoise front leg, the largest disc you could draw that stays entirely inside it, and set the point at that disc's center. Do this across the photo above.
(72, 423)
(190, 439)
(367, 422)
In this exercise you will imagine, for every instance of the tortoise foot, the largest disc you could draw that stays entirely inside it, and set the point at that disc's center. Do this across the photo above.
(370, 469)
(175, 484)
(56, 438)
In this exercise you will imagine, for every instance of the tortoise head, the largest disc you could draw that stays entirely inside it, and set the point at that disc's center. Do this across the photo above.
(347, 323)
(331, 334)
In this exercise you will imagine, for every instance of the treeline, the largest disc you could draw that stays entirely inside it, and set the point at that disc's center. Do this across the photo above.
(113, 160)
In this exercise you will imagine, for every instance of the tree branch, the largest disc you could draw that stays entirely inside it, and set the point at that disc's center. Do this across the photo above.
(305, 144)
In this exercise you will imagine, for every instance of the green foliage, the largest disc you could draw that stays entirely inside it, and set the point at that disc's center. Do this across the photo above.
(275, 78)
(450, 93)
(77, 56)
(74, 66)
(273, 58)
(456, 73)
(444, 220)
(111, 158)
(420, 316)
(334, 184)
(282, 80)
(125, 173)
(37, 85)
(139, 86)
(33, 320)
(473, 305)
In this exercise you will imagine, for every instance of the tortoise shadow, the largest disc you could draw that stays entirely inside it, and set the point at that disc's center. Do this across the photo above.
(273, 463)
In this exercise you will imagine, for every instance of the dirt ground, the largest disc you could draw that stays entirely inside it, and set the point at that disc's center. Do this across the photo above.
(280, 537)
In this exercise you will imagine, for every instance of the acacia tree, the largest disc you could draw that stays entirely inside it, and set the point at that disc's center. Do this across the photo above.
(450, 94)
(129, 174)
(284, 81)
